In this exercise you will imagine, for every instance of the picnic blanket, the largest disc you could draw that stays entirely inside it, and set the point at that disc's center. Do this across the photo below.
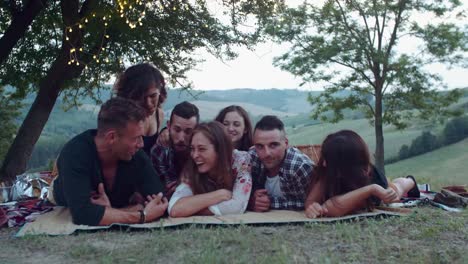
(59, 221)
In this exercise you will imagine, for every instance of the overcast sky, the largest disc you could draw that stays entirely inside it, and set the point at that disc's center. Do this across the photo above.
(254, 69)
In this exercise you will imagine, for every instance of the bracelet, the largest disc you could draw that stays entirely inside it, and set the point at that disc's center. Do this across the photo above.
(142, 216)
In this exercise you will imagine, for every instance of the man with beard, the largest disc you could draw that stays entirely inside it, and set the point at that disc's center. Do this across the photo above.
(169, 160)
(100, 169)
(280, 174)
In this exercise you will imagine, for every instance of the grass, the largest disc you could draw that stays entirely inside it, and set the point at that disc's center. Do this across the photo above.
(444, 166)
(426, 236)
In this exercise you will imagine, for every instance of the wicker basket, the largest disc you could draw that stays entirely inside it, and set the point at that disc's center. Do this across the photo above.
(312, 151)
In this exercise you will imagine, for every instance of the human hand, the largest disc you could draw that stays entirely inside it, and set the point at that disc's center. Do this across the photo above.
(155, 206)
(163, 138)
(386, 195)
(260, 201)
(315, 210)
(100, 197)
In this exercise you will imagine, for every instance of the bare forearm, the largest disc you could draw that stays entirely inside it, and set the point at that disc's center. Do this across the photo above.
(112, 215)
(346, 203)
(191, 205)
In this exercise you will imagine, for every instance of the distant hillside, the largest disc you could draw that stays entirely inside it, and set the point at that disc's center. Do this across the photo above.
(442, 167)
(315, 133)
(209, 109)
(291, 105)
(280, 101)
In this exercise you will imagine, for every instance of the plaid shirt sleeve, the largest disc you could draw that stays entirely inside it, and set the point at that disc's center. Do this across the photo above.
(296, 176)
(257, 178)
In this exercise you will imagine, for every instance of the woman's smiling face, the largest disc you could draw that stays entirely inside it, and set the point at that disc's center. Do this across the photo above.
(203, 152)
(234, 125)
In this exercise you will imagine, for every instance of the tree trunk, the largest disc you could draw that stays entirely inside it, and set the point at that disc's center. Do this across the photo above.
(20, 151)
(18, 27)
(379, 138)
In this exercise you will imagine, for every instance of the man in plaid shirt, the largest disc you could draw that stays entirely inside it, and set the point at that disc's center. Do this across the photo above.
(168, 161)
(281, 174)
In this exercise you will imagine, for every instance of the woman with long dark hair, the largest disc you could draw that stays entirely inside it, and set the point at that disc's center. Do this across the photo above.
(237, 125)
(145, 84)
(344, 180)
(216, 180)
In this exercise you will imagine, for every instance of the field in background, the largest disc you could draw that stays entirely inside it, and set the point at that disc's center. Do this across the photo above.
(444, 166)
(394, 139)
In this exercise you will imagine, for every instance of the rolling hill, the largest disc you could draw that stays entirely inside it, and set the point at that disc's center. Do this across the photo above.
(445, 166)
(394, 139)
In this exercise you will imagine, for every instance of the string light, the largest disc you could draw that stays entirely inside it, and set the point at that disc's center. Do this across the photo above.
(126, 10)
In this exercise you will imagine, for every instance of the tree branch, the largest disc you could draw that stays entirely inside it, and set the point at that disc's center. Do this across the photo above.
(401, 5)
(369, 53)
(19, 25)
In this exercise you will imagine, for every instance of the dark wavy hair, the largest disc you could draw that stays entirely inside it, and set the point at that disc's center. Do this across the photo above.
(220, 177)
(246, 141)
(135, 81)
(344, 164)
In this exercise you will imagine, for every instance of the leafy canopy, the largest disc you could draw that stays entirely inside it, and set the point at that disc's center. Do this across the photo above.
(358, 51)
(104, 36)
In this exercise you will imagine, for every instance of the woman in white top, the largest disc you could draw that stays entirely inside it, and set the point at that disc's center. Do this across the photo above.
(216, 180)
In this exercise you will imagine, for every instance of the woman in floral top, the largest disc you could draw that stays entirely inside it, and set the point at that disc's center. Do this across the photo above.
(216, 180)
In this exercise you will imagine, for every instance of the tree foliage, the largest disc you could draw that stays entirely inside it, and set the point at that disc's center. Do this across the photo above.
(73, 46)
(455, 130)
(9, 110)
(169, 34)
(358, 46)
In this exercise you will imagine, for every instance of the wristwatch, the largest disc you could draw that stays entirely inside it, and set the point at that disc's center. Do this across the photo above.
(142, 216)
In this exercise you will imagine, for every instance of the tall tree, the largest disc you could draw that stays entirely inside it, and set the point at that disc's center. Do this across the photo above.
(356, 49)
(75, 45)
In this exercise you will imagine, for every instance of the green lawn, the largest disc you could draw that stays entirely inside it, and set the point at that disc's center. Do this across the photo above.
(428, 235)
(445, 166)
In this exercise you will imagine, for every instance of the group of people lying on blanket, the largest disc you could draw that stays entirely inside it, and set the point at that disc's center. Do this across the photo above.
(214, 168)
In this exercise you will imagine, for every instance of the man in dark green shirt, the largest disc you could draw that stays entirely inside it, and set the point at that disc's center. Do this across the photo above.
(99, 170)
